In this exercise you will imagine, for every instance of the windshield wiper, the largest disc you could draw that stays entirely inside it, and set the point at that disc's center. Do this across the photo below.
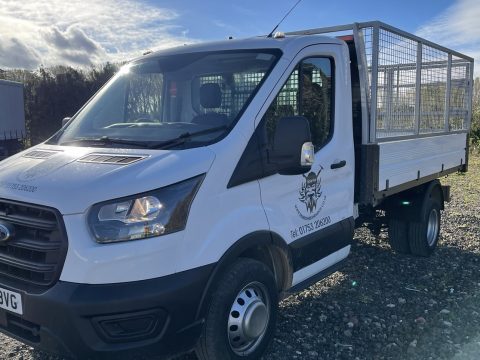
(186, 136)
(105, 140)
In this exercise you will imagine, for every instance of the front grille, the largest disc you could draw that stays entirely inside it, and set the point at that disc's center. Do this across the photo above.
(36, 253)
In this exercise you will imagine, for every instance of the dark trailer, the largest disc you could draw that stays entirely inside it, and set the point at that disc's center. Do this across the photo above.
(12, 118)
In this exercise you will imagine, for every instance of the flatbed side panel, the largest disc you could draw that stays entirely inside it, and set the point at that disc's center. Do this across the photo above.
(408, 160)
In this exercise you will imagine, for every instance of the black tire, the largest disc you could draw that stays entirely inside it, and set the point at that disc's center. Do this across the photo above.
(422, 242)
(398, 236)
(215, 341)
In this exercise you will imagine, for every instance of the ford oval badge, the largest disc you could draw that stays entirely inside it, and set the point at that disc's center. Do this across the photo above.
(6, 232)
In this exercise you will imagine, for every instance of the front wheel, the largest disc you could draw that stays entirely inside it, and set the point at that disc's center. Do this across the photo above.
(241, 319)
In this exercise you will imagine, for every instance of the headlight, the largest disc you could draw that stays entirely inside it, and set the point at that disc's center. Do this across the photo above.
(155, 213)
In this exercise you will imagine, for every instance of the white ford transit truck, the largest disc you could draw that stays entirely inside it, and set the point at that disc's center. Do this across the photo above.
(204, 183)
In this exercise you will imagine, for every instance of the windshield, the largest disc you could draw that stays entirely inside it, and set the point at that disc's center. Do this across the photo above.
(177, 101)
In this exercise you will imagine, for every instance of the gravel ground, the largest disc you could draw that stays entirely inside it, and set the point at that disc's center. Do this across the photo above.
(383, 305)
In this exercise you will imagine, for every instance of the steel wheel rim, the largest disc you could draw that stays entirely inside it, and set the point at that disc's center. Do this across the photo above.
(432, 227)
(248, 319)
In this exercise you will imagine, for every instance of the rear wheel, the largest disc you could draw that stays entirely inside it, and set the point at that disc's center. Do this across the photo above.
(416, 230)
(423, 235)
(241, 319)
(398, 235)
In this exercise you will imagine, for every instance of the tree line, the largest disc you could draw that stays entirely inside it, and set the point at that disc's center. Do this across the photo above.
(54, 93)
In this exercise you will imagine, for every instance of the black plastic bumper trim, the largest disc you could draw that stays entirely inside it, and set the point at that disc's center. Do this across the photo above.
(65, 319)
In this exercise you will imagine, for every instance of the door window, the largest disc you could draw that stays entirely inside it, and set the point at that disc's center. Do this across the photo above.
(307, 92)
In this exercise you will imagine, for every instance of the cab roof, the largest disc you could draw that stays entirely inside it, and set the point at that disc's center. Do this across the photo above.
(288, 44)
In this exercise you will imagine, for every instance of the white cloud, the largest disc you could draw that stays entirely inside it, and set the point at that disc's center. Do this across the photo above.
(82, 32)
(14, 53)
(458, 27)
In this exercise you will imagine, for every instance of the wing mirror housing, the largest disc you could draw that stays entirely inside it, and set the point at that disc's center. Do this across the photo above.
(293, 152)
(65, 121)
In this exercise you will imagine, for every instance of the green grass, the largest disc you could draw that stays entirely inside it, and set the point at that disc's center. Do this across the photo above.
(466, 186)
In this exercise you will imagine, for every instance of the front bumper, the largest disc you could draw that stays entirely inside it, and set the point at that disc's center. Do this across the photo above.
(144, 318)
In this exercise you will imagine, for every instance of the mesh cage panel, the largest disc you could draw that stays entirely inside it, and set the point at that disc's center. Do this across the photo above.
(409, 86)
(397, 56)
(419, 90)
(433, 90)
(368, 41)
(459, 93)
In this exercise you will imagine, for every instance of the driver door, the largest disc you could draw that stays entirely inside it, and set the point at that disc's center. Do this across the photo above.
(313, 212)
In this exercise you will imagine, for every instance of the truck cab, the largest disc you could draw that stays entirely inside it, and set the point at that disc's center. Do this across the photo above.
(196, 189)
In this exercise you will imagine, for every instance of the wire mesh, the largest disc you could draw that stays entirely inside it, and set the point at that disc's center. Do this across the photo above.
(433, 90)
(245, 84)
(413, 87)
(287, 97)
(459, 93)
(396, 85)
(414, 94)
(368, 42)
(234, 94)
(226, 104)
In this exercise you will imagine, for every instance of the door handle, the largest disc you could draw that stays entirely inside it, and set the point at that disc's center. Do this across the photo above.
(338, 165)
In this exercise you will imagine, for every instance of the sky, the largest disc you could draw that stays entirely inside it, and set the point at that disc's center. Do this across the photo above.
(87, 32)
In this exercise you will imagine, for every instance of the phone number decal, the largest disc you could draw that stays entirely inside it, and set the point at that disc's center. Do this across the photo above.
(18, 187)
(310, 227)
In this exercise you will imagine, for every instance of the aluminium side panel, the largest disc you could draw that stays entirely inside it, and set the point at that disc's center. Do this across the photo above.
(12, 113)
(404, 161)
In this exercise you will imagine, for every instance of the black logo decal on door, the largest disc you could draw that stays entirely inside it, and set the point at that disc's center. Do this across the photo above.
(311, 196)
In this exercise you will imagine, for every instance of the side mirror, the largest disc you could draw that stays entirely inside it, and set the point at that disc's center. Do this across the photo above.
(293, 152)
(65, 121)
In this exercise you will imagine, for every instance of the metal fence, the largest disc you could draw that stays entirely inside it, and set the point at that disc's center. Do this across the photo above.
(410, 86)
(11, 142)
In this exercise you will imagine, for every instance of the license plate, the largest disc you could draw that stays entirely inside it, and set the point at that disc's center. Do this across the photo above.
(11, 301)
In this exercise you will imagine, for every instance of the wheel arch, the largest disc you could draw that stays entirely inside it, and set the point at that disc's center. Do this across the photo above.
(264, 246)
(416, 198)
(435, 187)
